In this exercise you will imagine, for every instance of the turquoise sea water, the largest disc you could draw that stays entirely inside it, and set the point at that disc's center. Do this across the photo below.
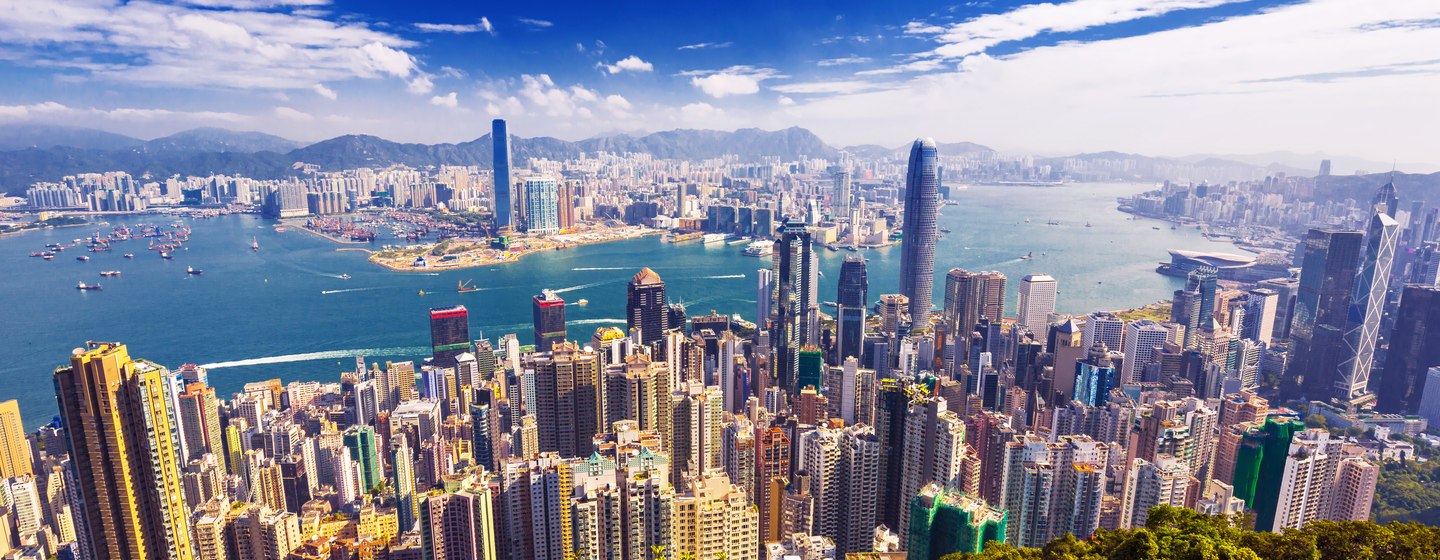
(284, 312)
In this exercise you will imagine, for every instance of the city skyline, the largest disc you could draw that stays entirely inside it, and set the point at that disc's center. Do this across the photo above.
(1271, 70)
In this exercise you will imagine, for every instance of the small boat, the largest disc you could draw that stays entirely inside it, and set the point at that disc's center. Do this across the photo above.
(759, 249)
(82, 258)
(344, 276)
(109, 273)
(129, 255)
(462, 287)
(422, 292)
(583, 302)
(49, 257)
(944, 230)
(1156, 228)
(166, 256)
(254, 244)
(83, 286)
(1028, 256)
(1087, 224)
(193, 271)
(37, 254)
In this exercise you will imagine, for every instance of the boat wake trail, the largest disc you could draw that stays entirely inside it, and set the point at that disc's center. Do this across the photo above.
(583, 286)
(598, 322)
(347, 290)
(326, 355)
(722, 276)
(588, 268)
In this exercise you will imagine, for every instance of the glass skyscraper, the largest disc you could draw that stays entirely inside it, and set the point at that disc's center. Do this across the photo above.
(917, 244)
(542, 205)
(1321, 306)
(852, 294)
(449, 334)
(1367, 305)
(504, 210)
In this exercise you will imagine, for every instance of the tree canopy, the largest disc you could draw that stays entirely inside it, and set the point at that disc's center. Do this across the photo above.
(1180, 534)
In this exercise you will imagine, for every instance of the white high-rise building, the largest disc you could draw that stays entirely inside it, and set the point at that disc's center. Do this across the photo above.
(1163, 482)
(1037, 302)
(1105, 327)
(1141, 338)
(1050, 489)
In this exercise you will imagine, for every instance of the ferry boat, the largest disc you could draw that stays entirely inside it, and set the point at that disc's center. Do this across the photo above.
(82, 258)
(83, 286)
(344, 276)
(713, 238)
(109, 273)
(759, 249)
(583, 302)
(48, 256)
(193, 271)
(129, 255)
(166, 256)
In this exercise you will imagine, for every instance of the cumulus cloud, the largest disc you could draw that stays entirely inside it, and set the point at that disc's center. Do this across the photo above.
(325, 92)
(249, 44)
(735, 80)
(785, 101)
(420, 85)
(449, 101)
(459, 28)
(630, 63)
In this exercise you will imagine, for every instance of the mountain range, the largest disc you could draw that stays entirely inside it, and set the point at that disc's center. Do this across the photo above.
(31, 153)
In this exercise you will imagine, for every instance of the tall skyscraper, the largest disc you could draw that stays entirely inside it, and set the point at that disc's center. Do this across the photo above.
(1327, 277)
(840, 204)
(565, 200)
(460, 522)
(1050, 489)
(917, 242)
(1037, 302)
(542, 205)
(567, 399)
(504, 208)
(646, 309)
(449, 334)
(125, 454)
(1258, 323)
(1260, 467)
(796, 260)
(853, 293)
(968, 297)
(199, 416)
(934, 452)
(1386, 201)
(946, 521)
(764, 295)
(548, 313)
(1367, 307)
(361, 444)
(14, 448)
(1141, 339)
(1414, 350)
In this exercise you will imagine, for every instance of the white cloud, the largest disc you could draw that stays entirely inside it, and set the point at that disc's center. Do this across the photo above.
(697, 46)
(978, 34)
(55, 112)
(448, 101)
(249, 44)
(290, 114)
(1317, 76)
(785, 101)
(699, 112)
(617, 102)
(421, 85)
(843, 61)
(325, 92)
(833, 87)
(630, 63)
(536, 23)
(459, 28)
(735, 80)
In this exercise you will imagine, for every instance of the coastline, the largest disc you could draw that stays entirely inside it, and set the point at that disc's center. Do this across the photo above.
(300, 224)
(480, 255)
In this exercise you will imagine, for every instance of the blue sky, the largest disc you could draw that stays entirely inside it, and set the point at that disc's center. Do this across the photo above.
(1164, 77)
